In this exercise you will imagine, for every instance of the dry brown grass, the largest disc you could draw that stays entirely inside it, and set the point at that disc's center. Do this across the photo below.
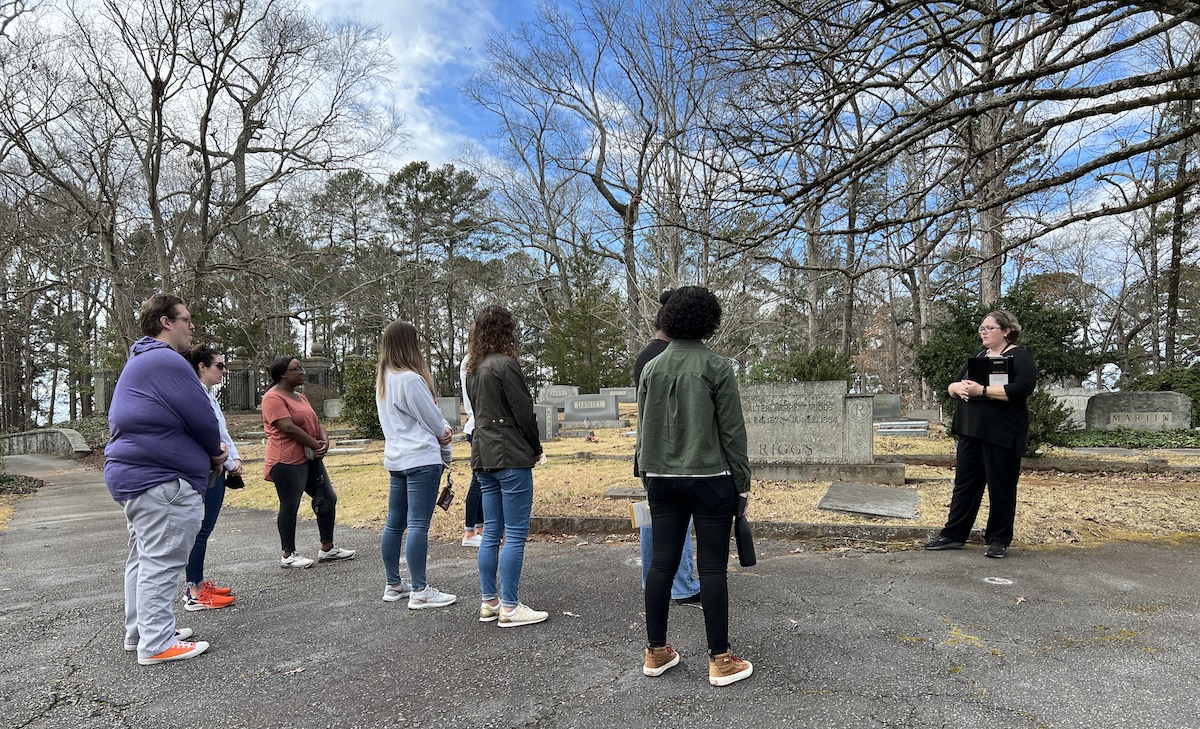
(1053, 508)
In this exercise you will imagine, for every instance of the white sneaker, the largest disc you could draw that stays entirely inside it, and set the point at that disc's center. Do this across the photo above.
(392, 594)
(522, 614)
(180, 634)
(472, 541)
(430, 597)
(295, 562)
(334, 554)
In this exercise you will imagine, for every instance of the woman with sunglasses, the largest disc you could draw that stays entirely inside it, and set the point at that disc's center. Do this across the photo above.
(201, 593)
(294, 461)
(992, 425)
(415, 452)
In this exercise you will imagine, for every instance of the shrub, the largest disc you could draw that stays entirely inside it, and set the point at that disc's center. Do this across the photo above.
(1049, 422)
(358, 397)
(819, 365)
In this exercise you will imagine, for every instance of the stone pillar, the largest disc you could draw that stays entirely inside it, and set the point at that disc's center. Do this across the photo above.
(104, 382)
(239, 391)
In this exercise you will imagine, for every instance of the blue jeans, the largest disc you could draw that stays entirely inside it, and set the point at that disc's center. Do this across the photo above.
(410, 504)
(213, 499)
(685, 583)
(507, 506)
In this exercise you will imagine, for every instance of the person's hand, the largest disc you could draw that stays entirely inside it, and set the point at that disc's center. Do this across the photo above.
(219, 459)
(447, 436)
(745, 505)
(965, 387)
(321, 449)
(237, 467)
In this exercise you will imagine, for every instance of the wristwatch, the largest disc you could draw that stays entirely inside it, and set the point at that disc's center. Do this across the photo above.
(985, 391)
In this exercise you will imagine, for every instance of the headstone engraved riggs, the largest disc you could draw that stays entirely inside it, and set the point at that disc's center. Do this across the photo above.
(812, 431)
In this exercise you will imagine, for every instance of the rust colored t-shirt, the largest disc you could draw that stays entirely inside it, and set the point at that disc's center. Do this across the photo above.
(280, 448)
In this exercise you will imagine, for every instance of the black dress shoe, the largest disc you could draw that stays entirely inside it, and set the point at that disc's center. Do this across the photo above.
(996, 550)
(689, 600)
(940, 542)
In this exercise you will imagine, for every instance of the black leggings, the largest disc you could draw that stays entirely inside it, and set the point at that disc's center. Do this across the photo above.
(291, 483)
(711, 503)
(474, 502)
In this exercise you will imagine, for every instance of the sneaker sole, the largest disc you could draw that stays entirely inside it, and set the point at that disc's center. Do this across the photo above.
(518, 623)
(193, 607)
(424, 605)
(726, 680)
(181, 657)
(323, 560)
(994, 556)
(661, 669)
(397, 598)
(296, 566)
(942, 547)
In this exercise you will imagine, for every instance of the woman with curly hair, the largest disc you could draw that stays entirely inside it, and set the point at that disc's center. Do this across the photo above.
(691, 450)
(416, 450)
(504, 449)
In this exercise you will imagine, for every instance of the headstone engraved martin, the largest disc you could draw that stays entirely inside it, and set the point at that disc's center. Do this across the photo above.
(1151, 411)
(811, 431)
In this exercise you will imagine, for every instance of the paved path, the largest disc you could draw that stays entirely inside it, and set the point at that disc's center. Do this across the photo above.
(1104, 637)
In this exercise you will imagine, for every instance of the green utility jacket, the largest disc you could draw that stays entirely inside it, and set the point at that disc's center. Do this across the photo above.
(690, 416)
(506, 433)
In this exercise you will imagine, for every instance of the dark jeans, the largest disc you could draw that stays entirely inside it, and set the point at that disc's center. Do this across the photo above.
(474, 502)
(213, 499)
(978, 464)
(291, 483)
(710, 503)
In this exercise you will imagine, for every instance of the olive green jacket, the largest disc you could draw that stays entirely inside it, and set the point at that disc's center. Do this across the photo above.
(506, 432)
(690, 415)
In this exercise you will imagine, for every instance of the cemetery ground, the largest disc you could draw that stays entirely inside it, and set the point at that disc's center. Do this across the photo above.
(1107, 502)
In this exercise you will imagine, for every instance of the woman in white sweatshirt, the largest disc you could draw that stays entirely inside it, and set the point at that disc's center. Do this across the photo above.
(416, 450)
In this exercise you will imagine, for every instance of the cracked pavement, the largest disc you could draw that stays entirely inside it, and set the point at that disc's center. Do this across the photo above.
(1100, 637)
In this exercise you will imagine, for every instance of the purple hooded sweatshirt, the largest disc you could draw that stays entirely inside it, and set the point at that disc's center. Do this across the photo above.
(162, 424)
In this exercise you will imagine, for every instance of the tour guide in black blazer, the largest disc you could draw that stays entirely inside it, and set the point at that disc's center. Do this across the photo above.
(992, 425)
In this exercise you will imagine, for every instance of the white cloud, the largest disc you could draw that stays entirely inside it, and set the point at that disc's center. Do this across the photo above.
(437, 44)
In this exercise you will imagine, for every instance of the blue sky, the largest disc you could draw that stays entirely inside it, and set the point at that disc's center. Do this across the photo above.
(437, 45)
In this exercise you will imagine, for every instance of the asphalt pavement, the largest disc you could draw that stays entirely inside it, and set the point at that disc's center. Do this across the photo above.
(1067, 637)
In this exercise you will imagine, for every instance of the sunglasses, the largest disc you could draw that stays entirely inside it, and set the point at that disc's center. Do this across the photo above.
(220, 366)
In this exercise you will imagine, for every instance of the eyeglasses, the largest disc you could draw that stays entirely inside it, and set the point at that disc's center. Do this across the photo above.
(295, 369)
(985, 329)
(185, 319)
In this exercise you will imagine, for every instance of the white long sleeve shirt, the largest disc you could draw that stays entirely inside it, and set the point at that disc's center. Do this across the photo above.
(411, 423)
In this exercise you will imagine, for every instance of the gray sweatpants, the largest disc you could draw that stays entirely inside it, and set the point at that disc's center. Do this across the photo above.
(163, 523)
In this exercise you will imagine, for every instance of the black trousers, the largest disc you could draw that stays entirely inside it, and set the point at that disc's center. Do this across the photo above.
(291, 483)
(710, 503)
(978, 464)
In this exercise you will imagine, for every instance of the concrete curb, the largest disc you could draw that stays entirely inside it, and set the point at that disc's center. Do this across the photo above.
(775, 530)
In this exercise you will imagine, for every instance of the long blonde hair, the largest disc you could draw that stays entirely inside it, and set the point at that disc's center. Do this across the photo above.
(399, 350)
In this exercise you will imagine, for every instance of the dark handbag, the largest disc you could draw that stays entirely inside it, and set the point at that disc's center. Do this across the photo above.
(446, 495)
(743, 535)
(234, 481)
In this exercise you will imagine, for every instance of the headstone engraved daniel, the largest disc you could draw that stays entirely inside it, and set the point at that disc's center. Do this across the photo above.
(593, 408)
(810, 431)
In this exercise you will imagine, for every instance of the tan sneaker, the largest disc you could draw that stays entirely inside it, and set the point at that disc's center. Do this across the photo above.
(488, 613)
(658, 660)
(522, 614)
(725, 668)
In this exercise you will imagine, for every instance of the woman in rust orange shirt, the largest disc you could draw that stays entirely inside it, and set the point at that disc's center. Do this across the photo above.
(296, 447)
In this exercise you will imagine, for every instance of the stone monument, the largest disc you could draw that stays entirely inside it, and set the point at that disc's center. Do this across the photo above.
(813, 431)
(1139, 410)
(556, 395)
(598, 411)
(623, 394)
(451, 408)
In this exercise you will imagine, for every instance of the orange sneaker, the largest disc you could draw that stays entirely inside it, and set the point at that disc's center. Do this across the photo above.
(209, 586)
(206, 601)
(178, 652)
(658, 660)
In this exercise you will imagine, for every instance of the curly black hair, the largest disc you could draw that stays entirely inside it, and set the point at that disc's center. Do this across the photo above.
(691, 312)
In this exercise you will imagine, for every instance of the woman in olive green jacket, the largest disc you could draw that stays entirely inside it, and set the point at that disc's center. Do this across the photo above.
(691, 449)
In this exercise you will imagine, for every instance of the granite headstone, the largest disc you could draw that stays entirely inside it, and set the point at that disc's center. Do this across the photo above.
(1141, 410)
(556, 395)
